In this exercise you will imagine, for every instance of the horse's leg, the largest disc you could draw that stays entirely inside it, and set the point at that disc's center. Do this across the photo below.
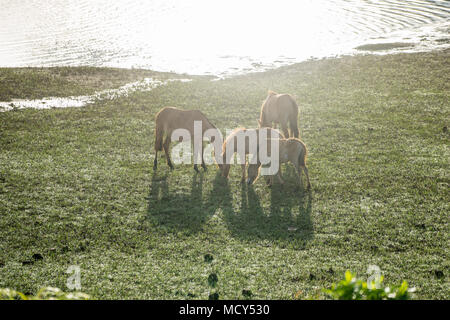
(195, 155)
(243, 173)
(307, 177)
(299, 172)
(269, 180)
(284, 128)
(159, 135)
(155, 162)
(203, 161)
(195, 166)
(166, 146)
(279, 177)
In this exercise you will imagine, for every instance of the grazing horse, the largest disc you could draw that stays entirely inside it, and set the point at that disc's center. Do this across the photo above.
(291, 150)
(242, 136)
(282, 109)
(169, 119)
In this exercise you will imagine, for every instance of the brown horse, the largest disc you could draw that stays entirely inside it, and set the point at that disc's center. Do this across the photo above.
(291, 150)
(282, 109)
(169, 119)
(243, 135)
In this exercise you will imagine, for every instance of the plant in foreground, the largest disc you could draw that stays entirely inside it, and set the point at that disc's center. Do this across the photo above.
(350, 288)
(46, 293)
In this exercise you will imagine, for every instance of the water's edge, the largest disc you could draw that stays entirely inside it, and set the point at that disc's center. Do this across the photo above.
(80, 101)
(380, 48)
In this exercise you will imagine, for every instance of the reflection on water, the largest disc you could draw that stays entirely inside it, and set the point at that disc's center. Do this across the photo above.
(209, 37)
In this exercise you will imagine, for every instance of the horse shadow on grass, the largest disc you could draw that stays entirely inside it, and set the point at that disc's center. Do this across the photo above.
(286, 221)
(177, 211)
(284, 218)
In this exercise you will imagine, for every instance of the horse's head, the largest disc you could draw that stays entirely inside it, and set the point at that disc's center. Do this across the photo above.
(224, 169)
(252, 173)
(224, 166)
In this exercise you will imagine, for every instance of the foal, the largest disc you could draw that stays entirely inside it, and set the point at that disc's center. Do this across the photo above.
(242, 136)
(291, 150)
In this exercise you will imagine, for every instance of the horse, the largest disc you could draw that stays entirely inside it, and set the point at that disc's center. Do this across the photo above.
(282, 109)
(291, 150)
(243, 135)
(169, 119)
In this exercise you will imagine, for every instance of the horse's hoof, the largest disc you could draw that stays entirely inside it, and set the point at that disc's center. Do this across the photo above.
(196, 169)
(204, 168)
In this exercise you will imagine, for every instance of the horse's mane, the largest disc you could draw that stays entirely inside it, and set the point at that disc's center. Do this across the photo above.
(209, 122)
(233, 132)
(206, 119)
(238, 129)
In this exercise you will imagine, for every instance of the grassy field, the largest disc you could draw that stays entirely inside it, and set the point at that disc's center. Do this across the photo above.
(77, 185)
(36, 83)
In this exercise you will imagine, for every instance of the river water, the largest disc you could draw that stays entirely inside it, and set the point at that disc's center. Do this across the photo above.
(220, 38)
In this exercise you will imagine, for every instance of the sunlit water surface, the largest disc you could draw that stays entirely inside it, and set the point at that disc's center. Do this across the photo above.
(209, 37)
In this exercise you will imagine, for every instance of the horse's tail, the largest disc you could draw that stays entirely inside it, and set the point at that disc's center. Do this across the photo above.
(159, 134)
(158, 139)
(225, 166)
(262, 117)
(293, 120)
(262, 122)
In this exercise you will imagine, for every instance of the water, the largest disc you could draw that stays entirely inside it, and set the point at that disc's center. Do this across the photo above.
(210, 37)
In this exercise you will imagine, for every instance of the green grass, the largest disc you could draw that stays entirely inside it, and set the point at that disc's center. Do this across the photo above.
(36, 83)
(48, 293)
(77, 187)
